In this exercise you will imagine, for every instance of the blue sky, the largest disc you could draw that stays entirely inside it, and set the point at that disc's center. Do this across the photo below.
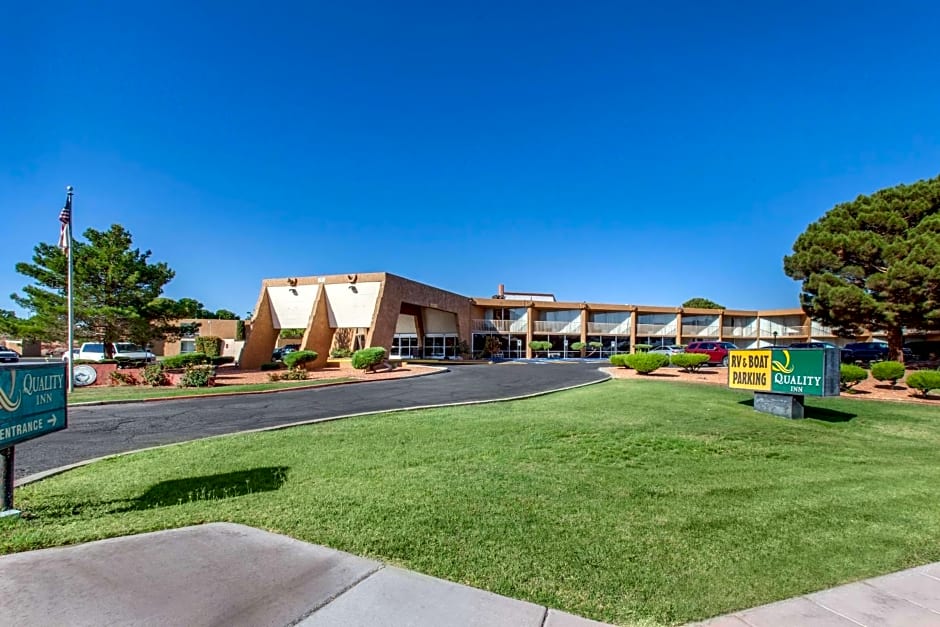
(617, 152)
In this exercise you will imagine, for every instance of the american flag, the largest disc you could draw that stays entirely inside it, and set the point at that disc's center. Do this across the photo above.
(65, 217)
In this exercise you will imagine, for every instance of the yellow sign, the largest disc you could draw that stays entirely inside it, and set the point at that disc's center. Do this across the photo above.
(749, 370)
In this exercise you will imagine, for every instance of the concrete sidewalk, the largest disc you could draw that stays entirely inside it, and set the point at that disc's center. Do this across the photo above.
(909, 598)
(227, 574)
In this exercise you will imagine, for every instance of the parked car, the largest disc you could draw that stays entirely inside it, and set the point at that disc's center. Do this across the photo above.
(871, 351)
(845, 354)
(279, 353)
(667, 350)
(8, 355)
(123, 352)
(717, 351)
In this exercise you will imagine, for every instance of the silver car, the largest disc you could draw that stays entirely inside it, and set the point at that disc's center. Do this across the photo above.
(669, 351)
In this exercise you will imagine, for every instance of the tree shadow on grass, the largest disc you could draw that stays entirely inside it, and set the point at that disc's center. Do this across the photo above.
(208, 488)
(815, 413)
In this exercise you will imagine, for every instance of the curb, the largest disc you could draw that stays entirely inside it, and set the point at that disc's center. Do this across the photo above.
(158, 399)
(56, 471)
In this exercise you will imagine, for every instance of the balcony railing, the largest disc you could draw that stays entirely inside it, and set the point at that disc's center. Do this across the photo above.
(689, 331)
(655, 329)
(555, 326)
(739, 332)
(609, 328)
(499, 326)
(784, 331)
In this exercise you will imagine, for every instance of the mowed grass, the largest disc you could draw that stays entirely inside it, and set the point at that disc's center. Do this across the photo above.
(141, 392)
(634, 502)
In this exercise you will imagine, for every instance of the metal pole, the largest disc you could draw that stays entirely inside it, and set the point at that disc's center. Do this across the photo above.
(7, 504)
(71, 311)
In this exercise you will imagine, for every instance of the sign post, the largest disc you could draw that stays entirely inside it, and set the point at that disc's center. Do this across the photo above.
(781, 377)
(32, 404)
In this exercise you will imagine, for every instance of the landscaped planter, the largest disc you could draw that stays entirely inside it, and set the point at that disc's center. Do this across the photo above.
(103, 375)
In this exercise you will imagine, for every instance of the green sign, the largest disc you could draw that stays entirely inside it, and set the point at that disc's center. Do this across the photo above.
(32, 401)
(814, 372)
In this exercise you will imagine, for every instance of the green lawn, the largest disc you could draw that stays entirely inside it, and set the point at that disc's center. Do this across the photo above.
(635, 502)
(140, 392)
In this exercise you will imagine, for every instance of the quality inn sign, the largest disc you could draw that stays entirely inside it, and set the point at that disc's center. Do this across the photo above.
(800, 371)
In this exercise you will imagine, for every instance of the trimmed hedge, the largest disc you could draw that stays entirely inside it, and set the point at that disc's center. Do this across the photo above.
(642, 348)
(298, 359)
(540, 345)
(341, 353)
(645, 363)
(209, 345)
(620, 359)
(891, 371)
(368, 357)
(924, 381)
(578, 346)
(851, 375)
(689, 362)
(185, 360)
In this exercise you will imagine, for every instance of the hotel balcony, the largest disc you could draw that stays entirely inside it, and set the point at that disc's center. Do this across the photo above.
(666, 330)
(695, 331)
(609, 328)
(557, 326)
(767, 331)
(499, 326)
(742, 332)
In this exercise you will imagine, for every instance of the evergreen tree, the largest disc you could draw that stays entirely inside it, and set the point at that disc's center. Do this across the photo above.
(874, 263)
(701, 303)
(115, 291)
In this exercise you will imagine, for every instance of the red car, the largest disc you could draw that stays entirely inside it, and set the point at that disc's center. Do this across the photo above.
(717, 351)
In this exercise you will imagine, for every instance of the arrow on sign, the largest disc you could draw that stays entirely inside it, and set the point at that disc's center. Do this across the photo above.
(51, 420)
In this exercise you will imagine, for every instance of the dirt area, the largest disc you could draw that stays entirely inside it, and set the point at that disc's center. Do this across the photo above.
(229, 375)
(868, 389)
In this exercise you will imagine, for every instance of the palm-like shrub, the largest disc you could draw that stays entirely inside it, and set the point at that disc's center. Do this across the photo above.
(689, 362)
(298, 359)
(924, 381)
(851, 375)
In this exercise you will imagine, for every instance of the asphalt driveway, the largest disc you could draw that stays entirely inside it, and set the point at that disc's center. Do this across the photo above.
(95, 431)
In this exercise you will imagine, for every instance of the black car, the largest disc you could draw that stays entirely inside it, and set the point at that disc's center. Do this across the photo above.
(279, 353)
(870, 351)
(8, 355)
(845, 354)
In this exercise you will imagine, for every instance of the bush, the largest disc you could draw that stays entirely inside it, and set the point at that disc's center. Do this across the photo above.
(198, 377)
(298, 359)
(294, 374)
(368, 357)
(240, 331)
(540, 345)
(154, 376)
(292, 334)
(888, 371)
(642, 348)
(185, 360)
(645, 363)
(209, 345)
(221, 361)
(689, 362)
(272, 365)
(123, 378)
(578, 346)
(924, 381)
(340, 353)
(620, 359)
(851, 375)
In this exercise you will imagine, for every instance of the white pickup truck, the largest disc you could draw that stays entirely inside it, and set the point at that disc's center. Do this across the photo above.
(123, 352)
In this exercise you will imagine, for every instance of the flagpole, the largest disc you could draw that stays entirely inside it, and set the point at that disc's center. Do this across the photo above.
(71, 356)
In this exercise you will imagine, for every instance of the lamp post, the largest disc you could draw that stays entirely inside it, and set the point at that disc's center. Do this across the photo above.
(775, 338)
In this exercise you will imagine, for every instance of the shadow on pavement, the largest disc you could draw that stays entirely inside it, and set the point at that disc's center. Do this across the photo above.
(815, 413)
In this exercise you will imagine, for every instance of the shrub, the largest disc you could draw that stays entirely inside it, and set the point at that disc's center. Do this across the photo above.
(368, 357)
(341, 353)
(298, 359)
(154, 376)
(924, 381)
(645, 363)
(620, 359)
(123, 378)
(540, 345)
(294, 374)
(209, 345)
(578, 346)
(198, 377)
(851, 375)
(597, 345)
(292, 334)
(492, 346)
(222, 360)
(689, 362)
(185, 360)
(888, 371)
(272, 365)
(240, 331)
(642, 348)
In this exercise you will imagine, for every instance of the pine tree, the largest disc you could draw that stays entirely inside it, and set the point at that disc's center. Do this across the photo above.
(874, 263)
